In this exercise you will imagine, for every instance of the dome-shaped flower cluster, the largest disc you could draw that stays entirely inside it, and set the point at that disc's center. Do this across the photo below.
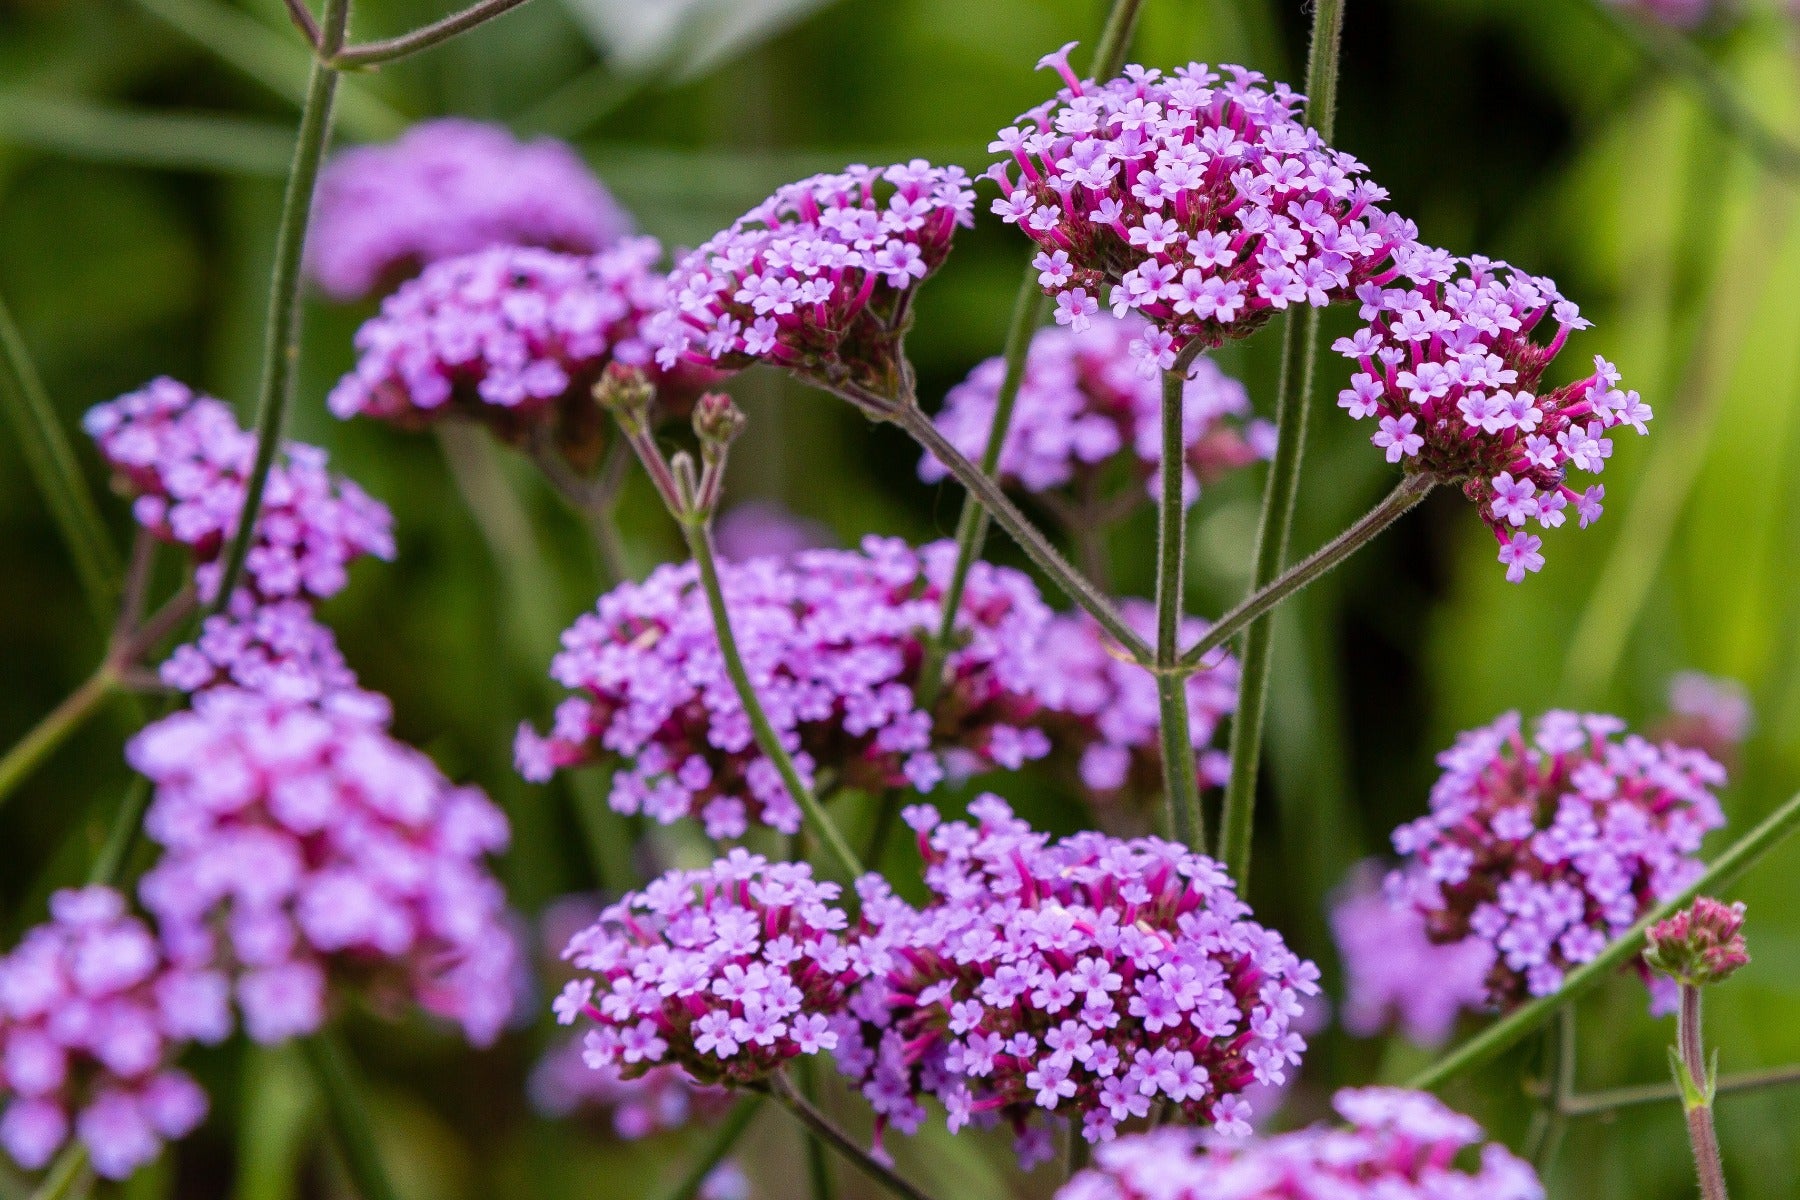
(1394, 974)
(446, 188)
(513, 337)
(1103, 708)
(1452, 372)
(1548, 848)
(1399, 1145)
(727, 972)
(1083, 404)
(1196, 199)
(303, 845)
(1086, 980)
(833, 641)
(278, 649)
(91, 1016)
(819, 278)
(187, 461)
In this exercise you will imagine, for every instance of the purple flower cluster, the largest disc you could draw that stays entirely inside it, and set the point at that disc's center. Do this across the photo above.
(1451, 370)
(833, 641)
(660, 1100)
(1700, 945)
(819, 278)
(446, 188)
(1198, 200)
(1400, 1145)
(765, 529)
(90, 1016)
(187, 461)
(514, 337)
(1083, 404)
(278, 649)
(1394, 974)
(1548, 848)
(1104, 710)
(727, 972)
(303, 846)
(1085, 980)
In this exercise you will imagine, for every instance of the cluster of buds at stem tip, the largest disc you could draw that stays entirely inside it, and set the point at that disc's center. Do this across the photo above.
(692, 494)
(1699, 945)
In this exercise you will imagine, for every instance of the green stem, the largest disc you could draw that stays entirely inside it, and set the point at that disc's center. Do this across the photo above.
(67, 1177)
(1181, 782)
(1299, 353)
(1738, 858)
(1550, 1122)
(1594, 1103)
(699, 540)
(818, 1168)
(63, 720)
(1674, 53)
(724, 1139)
(369, 54)
(281, 336)
(1027, 315)
(593, 500)
(122, 834)
(51, 461)
(349, 1115)
(859, 1158)
(1701, 1133)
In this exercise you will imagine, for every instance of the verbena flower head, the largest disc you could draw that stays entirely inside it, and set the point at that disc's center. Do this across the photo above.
(1083, 405)
(1400, 1145)
(304, 848)
(833, 641)
(727, 972)
(278, 649)
(1452, 372)
(1547, 847)
(445, 188)
(819, 278)
(91, 1018)
(1394, 974)
(513, 337)
(187, 461)
(1102, 708)
(1197, 199)
(1701, 944)
(661, 1100)
(765, 529)
(1084, 980)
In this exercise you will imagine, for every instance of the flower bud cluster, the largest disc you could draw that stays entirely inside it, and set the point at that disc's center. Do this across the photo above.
(1701, 944)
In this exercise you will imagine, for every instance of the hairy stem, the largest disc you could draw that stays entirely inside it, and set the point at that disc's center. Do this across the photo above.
(699, 540)
(56, 728)
(1743, 854)
(725, 1138)
(369, 54)
(281, 335)
(1181, 782)
(1299, 353)
(1612, 1099)
(349, 1115)
(1701, 1133)
(838, 1140)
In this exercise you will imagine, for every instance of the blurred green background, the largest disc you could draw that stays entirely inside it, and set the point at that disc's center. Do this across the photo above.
(142, 144)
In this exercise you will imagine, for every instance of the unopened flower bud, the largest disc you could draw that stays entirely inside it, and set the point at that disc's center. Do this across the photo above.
(1699, 945)
(625, 392)
(717, 420)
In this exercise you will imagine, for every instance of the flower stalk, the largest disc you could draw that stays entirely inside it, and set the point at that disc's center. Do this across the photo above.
(348, 1114)
(730, 1131)
(1698, 1079)
(1181, 783)
(373, 54)
(821, 1126)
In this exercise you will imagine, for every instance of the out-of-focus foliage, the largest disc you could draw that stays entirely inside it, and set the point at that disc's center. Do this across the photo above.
(141, 148)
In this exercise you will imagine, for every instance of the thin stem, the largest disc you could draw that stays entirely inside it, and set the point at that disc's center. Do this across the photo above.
(304, 21)
(68, 1175)
(1701, 1133)
(1611, 1100)
(1550, 1122)
(1281, 490)
(52, 464)
(1743, 854)
(281, 340)
(724, 1139)
(593, 500)
(818, 1168)
(349, 1115)
(1674, 53)
(859, 1158)
(368, 54)
(56, 728)
(910, 417)
(1181, 781)
(122, 834)
(699, 540)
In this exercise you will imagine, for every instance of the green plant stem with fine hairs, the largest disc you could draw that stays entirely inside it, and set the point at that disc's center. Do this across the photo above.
(1698, 1095)
(1591, 1104)
(371, 54)
(819, 1124)
(724, 1138)
(1738, 858)
(1299, 354)
(1181, 783)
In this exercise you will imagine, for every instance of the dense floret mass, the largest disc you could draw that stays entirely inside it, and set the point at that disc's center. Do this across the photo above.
(1398, 1145)
(1549, 846)
(304, 847)
(833, 641)
(446, 188)
(1394, 974)
(1088, 980)
(278, 649)
(91, 1017)
(187, 462)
